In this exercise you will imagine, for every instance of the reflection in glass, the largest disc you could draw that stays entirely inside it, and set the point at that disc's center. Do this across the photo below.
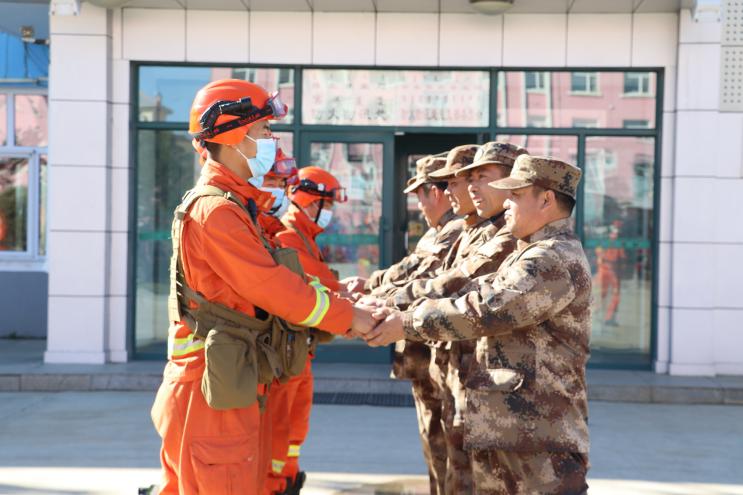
(561, 147)
(3, 120)
(31, 120)
(351, 243)
(43, 188)
(618, 229)
(166, 93)
(575, 99)
(166, 167)
(13, 203)
(395, 97)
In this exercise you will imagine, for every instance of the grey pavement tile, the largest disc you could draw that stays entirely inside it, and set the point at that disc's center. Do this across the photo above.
(54, 383)
(10, 383)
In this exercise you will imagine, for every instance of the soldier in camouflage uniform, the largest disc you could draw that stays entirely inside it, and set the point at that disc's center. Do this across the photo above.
(526, 415)
(411, 359)
(481, 249)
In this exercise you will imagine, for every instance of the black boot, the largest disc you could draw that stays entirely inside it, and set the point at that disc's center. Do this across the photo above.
(293, 486)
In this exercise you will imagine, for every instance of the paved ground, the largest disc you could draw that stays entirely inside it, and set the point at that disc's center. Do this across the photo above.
(80, 443)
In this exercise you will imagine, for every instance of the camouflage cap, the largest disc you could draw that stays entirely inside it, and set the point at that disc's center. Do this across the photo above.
(457, 158)
(495, 153)
(423, 169)
(543, 171)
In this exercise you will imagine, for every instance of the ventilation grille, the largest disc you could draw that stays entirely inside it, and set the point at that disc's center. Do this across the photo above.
(731, 63)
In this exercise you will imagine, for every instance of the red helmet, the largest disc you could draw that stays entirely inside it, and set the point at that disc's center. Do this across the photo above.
(223, 111)
(284, 167)
(316, 184)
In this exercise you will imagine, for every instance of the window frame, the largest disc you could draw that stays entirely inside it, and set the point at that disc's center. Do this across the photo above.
(31, 257)
(587, 92)
(541, 77)
(640, 93)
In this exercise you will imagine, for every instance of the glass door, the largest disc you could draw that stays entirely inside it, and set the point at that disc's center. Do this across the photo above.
(359, 239)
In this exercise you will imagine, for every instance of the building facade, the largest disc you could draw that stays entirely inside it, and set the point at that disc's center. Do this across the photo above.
(635, 93)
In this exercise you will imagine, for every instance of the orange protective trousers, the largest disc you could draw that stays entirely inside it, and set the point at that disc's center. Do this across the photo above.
(206, 451)
(289, 413)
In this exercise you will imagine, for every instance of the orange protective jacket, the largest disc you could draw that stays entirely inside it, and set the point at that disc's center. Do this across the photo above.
(224, 260)
(310, 256)
(271, 226)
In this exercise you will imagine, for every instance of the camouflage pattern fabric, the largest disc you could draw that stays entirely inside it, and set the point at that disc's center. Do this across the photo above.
(498, 472)
(426, 258)
(480, 250)
(428, 408)
(526, 390)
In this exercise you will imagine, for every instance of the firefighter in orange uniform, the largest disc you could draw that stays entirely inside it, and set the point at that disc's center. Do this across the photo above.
(310, 212)
(283, 173)
(221, 263)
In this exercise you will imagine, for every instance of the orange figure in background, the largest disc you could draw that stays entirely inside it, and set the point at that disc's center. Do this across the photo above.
(607, 261)
(291, 402)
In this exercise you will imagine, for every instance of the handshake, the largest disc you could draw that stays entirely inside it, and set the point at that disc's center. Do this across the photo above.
(375, 323)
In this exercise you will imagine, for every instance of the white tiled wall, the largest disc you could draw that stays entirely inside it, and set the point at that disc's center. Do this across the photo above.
(292, 46)
(89, 78)
(79, 209)
(481, 34)
(407, 39)
(654, 40)
(228, 44)
(595, 38)
(699, 77)
(154, 34)
(537, 40)
(343, 38)
(80, 134)
(75, 190)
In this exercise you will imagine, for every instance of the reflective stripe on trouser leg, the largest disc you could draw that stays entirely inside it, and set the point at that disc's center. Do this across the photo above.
(277, 466)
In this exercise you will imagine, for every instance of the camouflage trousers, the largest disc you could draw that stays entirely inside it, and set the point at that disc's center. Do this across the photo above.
(428, 407)
(499, 472)
(458, 468)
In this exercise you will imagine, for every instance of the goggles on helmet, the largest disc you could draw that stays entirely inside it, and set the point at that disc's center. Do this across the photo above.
(311, 187)
(286, 168)
(244, 109)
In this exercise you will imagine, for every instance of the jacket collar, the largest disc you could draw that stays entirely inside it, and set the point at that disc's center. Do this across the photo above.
(215, 174)
(445, 218)
(549, 231)
(299, 220)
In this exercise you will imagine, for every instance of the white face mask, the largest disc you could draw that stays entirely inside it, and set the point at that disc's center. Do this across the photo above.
(264, 156)
(323, 220)
(263, 161)
(280, 202)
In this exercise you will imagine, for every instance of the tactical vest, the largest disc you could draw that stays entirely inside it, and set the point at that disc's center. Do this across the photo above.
(241, 351)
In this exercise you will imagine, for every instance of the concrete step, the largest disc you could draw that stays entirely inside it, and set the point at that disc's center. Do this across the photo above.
(22, 369)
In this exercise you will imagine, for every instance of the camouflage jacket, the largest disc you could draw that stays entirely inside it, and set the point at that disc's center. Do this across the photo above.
(411, 359)
(489, 243)
(427, 257)
(527, 391)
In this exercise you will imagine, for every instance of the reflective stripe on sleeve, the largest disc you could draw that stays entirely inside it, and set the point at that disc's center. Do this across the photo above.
(322, 304)
(317, 285)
